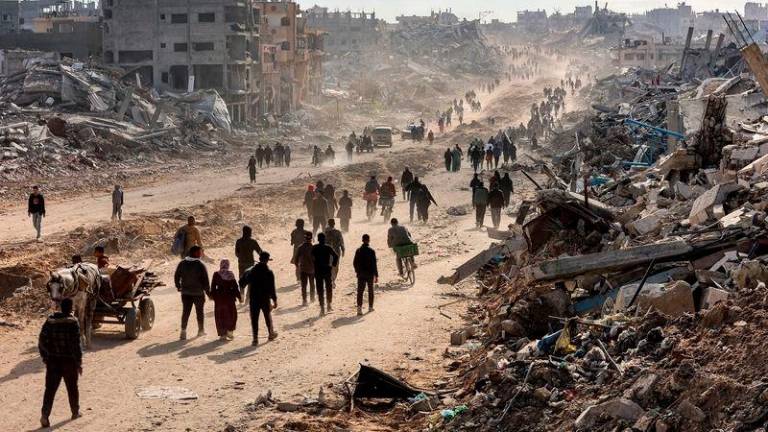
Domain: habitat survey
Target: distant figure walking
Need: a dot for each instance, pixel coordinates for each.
(118, 198)
(36, 210)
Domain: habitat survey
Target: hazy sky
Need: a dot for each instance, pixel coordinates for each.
(505, 9)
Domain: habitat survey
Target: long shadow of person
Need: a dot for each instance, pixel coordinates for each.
(161, 349)
(345, 321)
(201, 349)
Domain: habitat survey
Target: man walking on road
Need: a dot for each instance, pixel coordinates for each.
(319, 212)
(413, 190)
(261, 283)
(324, 258)
(297, 239)
(367, 272)
(252, 169)
(305, 267)
(191, 280)
(118, 198)
(36, 210)
(480, 203)
(59, 346)
(496, 202)
(335, 240)
(245, 247)
(405, 180)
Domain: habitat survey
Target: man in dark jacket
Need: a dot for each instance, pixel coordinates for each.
(496, 203)
(305, 267)
(335, 240)
(36, 210)
(59, 346)
(324, 259)
(191, 280)
(413, 192)
(245, 247)
(297, 239)
(480, 203)
(507, 187)
(405, 180)
(367, 272)
(261, 283)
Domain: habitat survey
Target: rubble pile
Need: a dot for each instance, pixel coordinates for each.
(631, 294)
(452, 48)
(69, 116)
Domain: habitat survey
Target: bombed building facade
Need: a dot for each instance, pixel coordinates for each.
(346, 31)
(257, 55)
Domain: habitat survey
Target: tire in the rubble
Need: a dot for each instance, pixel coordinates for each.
(147, 314)
(132, 324)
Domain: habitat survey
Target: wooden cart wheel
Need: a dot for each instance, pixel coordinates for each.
(147, 313)
(132, 324)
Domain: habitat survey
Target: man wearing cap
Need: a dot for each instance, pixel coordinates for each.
(261, 282)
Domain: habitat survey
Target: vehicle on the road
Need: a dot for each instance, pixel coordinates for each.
(413, 132)
(382, 136)
(406, 254)
(387, 205)
(124, 299)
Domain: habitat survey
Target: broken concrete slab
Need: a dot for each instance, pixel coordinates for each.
(702, 209)
(673, 299)
(618, 408)
(569, 267)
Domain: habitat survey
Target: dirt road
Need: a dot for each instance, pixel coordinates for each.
(406, 332)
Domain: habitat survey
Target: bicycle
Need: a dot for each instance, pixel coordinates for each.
(405, 254)
(387, 204)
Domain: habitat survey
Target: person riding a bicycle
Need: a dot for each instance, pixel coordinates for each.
(398, 236)
(371, 196)
(387, 193)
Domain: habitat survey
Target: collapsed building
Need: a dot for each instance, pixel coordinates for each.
(346, 32)
(453, 48)
(259, 56)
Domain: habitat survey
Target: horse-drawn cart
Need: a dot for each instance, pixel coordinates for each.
(124, 299)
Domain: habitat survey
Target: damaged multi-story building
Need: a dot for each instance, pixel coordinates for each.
(347, 31)
(258, 55)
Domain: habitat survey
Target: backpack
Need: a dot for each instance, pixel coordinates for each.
(481, 196)
(179, 241)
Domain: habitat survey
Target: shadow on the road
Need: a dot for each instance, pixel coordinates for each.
(53, 426)
(288, 288)
(307, 322)
(106, 340)
(161, 349)
(201, 349)
(236, 354)
(345, 321)
(24, 367)
(285, 311)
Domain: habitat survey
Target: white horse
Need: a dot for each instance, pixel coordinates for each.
(81, 283)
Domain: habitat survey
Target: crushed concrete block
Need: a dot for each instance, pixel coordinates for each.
(650, 224)
(749, 273)
(458, 338)
(642, 389)
(673, 299)
(691, 412)
(703, 205)
(618, 408)
(711, 296)
(512, 328)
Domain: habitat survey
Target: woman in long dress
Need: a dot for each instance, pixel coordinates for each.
(224, 292)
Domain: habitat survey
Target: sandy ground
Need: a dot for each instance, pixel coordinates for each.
(405, 332)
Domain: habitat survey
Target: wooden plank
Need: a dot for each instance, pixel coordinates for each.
(569, 267)
(757, 64)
